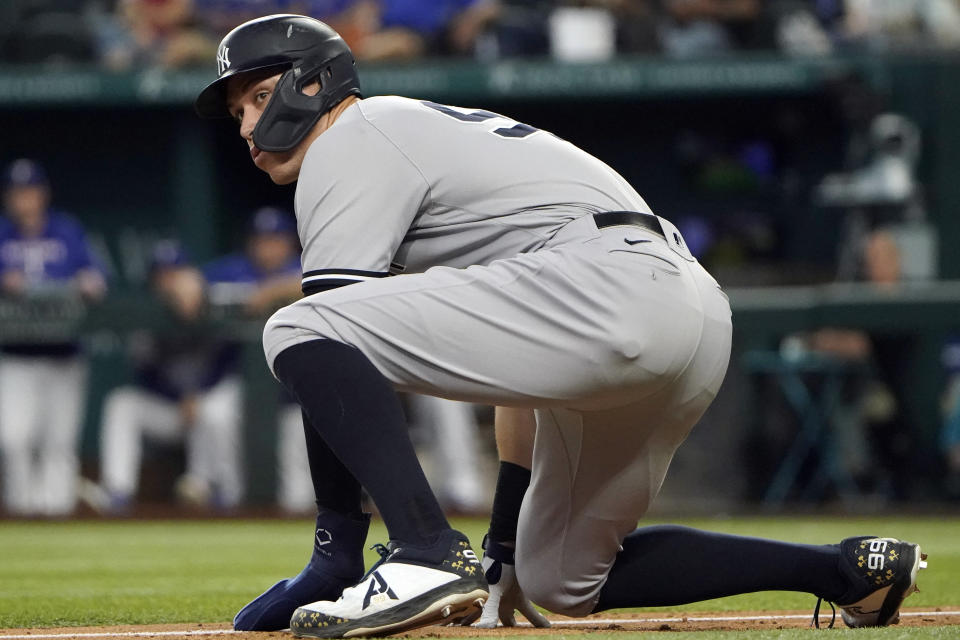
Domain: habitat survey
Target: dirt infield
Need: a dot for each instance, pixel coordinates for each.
(660, 621)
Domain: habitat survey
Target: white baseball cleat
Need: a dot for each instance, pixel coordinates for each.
(408, 589)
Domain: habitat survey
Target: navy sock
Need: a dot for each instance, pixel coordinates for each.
(336, 563)
(356, 412)
(512, 483)
(670, 565)
(334, 486)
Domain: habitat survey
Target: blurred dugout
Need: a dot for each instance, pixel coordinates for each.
(43, 254)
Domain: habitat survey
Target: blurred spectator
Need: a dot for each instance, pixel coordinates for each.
(532, 27)
(403, 29)
(898, 24)
(219, 17)
(154, 33)
(46, 31)
(519, 30)
(261, 279)
(706, 27)
(807, 28)
(185, 389)
(43, 254)
(637, 23)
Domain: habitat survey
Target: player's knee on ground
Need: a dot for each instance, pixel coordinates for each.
(545, 591)
(295, 324)
(551, 581)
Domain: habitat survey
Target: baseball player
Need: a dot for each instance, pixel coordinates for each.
(185, 388)
(457, 252)
(43, 253)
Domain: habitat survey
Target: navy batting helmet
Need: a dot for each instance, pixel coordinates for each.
(309, 50)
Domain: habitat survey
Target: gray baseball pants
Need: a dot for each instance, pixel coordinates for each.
(620, 342)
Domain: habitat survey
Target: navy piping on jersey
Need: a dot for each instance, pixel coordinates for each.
(326, 279)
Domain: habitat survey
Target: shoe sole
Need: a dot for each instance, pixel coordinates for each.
(447, 608)
(890, 609)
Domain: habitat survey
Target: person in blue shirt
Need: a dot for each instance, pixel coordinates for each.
(43, 254)
(404, 29)
(266, 274)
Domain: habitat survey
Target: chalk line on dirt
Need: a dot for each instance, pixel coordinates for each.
(556, 623)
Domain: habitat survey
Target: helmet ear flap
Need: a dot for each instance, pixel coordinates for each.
(289, 116)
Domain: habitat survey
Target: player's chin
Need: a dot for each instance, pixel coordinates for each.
(282, 178)
(279, 171)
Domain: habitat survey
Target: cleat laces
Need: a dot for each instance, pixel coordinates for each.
(816, 614)
(384, 553)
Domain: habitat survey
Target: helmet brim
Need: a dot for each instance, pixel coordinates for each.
(211, 103)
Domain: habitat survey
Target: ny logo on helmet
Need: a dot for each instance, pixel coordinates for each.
(223, 59)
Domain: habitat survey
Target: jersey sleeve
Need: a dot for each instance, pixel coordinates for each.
(357, 196)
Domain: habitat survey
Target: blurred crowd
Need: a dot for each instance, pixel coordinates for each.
(122, 34)
(185, 386)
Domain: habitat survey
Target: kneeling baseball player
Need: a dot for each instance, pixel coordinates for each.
(459, 253)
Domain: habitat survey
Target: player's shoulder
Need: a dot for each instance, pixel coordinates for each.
(385, 112)
(386, 105)
(380, 120)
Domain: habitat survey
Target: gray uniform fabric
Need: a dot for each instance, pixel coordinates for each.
(509, 294)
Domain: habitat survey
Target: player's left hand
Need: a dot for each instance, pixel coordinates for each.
(506, 597)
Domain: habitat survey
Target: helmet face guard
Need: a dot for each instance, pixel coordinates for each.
(291, 114)
(309, 50)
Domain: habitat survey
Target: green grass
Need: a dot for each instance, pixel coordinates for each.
(117, 572)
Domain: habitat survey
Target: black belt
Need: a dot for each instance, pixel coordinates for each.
(632, 218)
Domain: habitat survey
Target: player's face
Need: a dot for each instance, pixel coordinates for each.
(247, 97)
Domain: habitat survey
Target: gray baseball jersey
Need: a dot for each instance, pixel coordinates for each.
(508, 292)
(399, 185)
